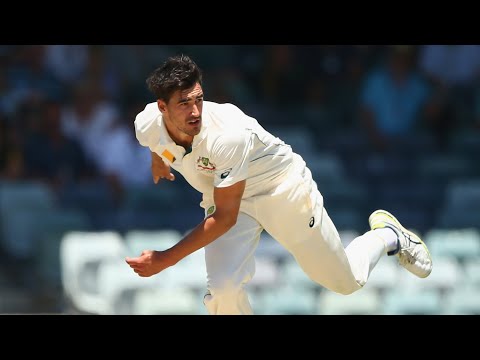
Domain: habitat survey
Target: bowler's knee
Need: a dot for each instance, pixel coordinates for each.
(227, 299)
(226, 291)
(346, 288)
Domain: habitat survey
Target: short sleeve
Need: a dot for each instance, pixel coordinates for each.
(147, 130)
(230, 156)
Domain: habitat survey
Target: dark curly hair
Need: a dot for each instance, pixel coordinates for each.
(177, 73)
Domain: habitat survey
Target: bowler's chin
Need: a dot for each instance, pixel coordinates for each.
(194, 129)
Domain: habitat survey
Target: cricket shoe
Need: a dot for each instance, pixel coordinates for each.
(412, 252)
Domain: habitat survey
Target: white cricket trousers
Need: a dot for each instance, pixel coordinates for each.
(293, 214)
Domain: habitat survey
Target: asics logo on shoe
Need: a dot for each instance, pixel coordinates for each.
(409, 238)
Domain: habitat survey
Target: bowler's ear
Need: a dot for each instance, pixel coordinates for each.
(162, 106)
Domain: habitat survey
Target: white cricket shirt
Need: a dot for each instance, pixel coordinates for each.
(230, 147)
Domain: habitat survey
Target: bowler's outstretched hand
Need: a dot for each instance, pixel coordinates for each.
(149, 263)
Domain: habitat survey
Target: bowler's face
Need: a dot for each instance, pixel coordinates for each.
(183, 112)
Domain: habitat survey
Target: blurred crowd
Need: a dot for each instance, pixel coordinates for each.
(67, 111)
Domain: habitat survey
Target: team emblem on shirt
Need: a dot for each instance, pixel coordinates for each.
(204, 164)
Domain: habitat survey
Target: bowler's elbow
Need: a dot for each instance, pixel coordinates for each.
(227, 201)
(225, 221)
(229, 221)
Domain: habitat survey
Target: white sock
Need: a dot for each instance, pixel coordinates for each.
(389, 237)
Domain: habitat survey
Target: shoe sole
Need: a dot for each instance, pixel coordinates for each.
(397, 223)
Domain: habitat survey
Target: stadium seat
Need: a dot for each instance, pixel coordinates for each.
(180, 301)
(472, 272)
(462, 301)
(266, 273)
(462, 244)
(24, 229)
(284, 300)
(292, 274)
(117, 284)
(81, 254)
(441, 168)
(47, 249)
(139, 240)
(362, 302)
(420, 302)
(21, 205)
(25, 195)
(269, 247)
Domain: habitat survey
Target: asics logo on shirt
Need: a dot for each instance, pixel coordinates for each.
(225, 174)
